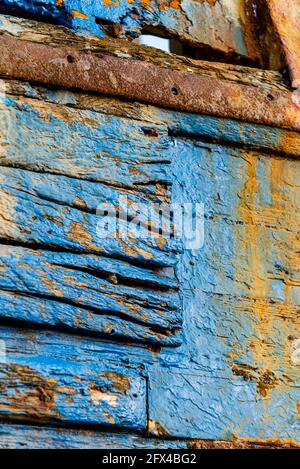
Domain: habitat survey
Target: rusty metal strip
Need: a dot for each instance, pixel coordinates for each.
(285, 15)
(146, 82)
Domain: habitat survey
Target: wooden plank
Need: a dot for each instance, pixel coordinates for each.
(26, 151)
(229, 28)
(82, 144)
(73, 388)
(58, 58)
(64, 279)
(14, 436)
(34, 437)
(177, 124)
(46, 313)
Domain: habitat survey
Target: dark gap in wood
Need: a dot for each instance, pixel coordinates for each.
(115, 338)
(189, 49)
(92, 309)
(53, 422)
(109, 27)
(107, 430)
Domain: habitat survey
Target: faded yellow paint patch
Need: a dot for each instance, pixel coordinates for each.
(109, 418)
(78, 14)
(273, 320)
(113, 3)
(249, 245)
(52, 285)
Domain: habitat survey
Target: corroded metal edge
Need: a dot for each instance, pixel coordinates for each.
(49, 55)
(285, 15)
(146, 82)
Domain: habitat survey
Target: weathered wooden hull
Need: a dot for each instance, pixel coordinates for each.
(148, 344)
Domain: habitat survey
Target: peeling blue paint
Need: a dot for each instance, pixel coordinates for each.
(231, 376)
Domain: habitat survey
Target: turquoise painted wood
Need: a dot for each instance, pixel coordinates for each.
(233, 375)
(148, 341)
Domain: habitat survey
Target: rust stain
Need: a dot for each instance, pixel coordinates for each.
(273, 442)
(209, 2)
(139, 80)
(120, 382)
(56, 220)
(265, 379)
(28, 393)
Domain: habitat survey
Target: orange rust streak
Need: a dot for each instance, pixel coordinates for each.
(253, 247)
(78, 14)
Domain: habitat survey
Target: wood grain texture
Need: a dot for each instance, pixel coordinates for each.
(34, 437)
(59, 278)
(52, 185)
(13, 436)
(30, 215)
(233, 376)
(229, 30)
(56, 58)
(39, 386)
(160, 121)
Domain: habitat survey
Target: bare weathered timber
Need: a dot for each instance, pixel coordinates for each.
(221, 28)
(14, 436)
(50, 195)
(233, 375)
(49, 55)
(285, 15)
(45, 386)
